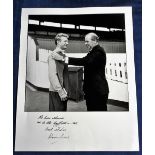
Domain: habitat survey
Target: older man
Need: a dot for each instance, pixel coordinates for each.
(58, 76)
(95, 84)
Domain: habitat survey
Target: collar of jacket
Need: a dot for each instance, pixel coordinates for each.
(94, 48)
(62, 54)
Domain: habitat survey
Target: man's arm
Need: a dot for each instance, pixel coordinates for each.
(68, 60)
(93, 61)
(53, 78)
(76, 61)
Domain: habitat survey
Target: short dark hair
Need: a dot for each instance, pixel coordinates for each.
(59, 35)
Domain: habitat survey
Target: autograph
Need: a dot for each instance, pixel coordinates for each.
(56, 127)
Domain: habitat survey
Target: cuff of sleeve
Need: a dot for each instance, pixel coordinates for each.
(62, 92)
(66, 60)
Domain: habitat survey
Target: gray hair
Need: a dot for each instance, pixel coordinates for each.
(94, 36)
(59, 35)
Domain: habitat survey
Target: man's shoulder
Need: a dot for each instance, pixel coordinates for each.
(99, 50)
(56, 56)
(50, 58)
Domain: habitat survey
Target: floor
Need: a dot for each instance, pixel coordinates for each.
(38, 101)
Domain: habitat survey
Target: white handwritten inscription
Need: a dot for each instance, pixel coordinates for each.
(56, 127)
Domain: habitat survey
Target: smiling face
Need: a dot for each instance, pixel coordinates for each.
(62, 43)
(89, 42)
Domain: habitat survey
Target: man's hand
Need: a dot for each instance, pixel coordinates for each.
(64, 98)
(58, 50)
(63, 94)
(57, 55)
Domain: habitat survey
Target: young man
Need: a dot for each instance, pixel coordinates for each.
(95, 84)
(58, 76)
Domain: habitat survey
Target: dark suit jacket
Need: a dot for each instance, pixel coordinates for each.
(94, 71)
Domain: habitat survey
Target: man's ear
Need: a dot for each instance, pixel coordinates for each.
(58, 41)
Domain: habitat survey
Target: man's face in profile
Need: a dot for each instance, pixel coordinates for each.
(89, 42)
(63, 43)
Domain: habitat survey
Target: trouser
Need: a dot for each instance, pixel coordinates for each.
(55, 103)
(96, 102)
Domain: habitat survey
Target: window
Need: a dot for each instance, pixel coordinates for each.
(115, 72)
(121, 74)
(126, 75)
(111, 71)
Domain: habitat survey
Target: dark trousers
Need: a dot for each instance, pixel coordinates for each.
(55, 103)
(96, 102)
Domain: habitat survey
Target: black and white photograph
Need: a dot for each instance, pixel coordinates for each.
(76, 80)
(76, 63)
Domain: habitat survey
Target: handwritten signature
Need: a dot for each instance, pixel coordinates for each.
(58, 136)
(56, 127)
